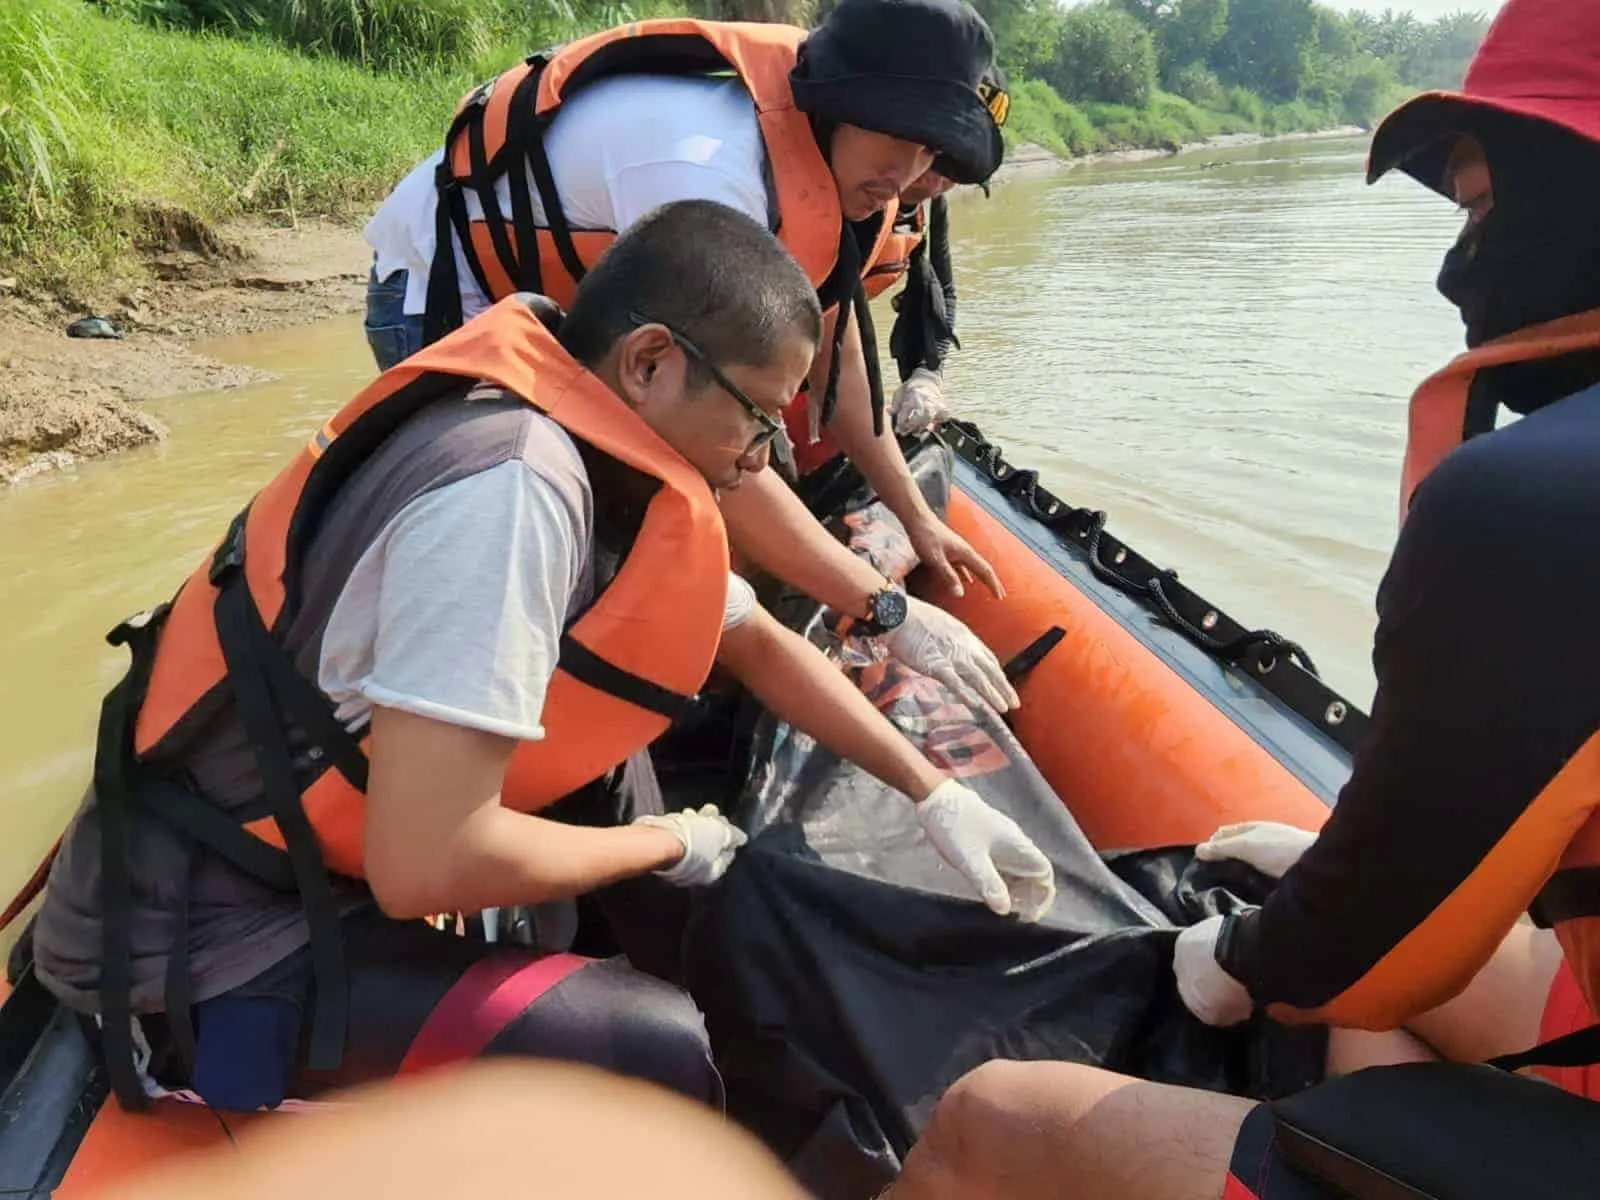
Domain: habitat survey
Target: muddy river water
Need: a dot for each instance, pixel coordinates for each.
(1216, 348)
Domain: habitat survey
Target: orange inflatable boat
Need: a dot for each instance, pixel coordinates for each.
(1154, 716)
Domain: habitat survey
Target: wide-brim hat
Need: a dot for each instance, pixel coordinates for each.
(1540, 60)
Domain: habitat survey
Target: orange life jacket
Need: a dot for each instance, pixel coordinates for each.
(1439, 418)
(500, 127)
(1439, 422)
(655, 628)
(629, 664)
(1570, 900)
(893, 258)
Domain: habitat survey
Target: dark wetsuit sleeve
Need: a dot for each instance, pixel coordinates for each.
(1457, 810)
(938, 243)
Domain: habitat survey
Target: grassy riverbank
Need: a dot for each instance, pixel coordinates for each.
(130, 127)
(1167, 122)
(109, 129)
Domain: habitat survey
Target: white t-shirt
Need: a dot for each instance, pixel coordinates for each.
(455, 611)
(619, 148)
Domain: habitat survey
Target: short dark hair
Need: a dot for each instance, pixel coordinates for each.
(708, 271)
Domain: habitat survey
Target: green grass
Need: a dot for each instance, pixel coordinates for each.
(111, 113)
(103, 118)
(1040, 116)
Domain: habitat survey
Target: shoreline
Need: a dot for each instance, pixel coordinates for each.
(64, 401)
(1031, 159)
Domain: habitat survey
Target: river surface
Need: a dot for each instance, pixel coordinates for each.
(1215, 348)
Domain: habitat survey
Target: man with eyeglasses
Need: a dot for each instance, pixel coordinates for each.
(504, 570)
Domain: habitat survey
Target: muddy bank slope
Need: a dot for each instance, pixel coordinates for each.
(63, 399)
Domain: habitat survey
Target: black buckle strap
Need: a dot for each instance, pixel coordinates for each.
(1567, 895)
(245, 643)
(442, 308)
(452, 227)
(227, 560)
(205, 823)
(483, 184)
(521, 115)
(584, 665)
(1579, 1049)
(531, 134)
(292, 692)
(113, 766)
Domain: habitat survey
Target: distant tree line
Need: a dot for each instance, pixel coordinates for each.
(1125, 51)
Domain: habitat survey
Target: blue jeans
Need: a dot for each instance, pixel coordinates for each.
(392, 334)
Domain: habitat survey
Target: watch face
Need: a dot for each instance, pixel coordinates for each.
(889, 609)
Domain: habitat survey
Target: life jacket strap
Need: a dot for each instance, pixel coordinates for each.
(1578, 1049)
(247, 649)
(1568, 895)
(521, 115)
(529, 134)
(482, 181)
(587, 667)
(113, 765)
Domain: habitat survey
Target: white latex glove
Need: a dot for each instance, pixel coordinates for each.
(709, 840)
(1268, 846)
(990, 849)
(918, 403)
(934, 643)
(1208, 991)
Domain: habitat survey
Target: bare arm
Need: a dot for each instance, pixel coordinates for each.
(878, 457)
(438, 840)
(798, 683)
(769, 525)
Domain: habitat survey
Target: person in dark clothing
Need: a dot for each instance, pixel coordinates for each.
(924, 329)
(1477, 796)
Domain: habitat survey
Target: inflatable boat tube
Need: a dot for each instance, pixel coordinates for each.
(1126, 677)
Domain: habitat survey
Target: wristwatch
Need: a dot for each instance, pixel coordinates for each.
(886, 611)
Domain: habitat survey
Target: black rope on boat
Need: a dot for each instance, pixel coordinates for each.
(1259, 649)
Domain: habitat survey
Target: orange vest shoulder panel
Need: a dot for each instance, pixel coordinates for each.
(660, 619)
(891, 258)
(1437, 418)
(761, 55)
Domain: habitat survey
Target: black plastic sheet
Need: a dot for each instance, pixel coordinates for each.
(849, 975)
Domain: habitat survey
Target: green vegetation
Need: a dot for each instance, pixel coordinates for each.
(120, 120)
(1111, 74)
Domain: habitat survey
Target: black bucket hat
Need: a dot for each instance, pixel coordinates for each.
(919, 70)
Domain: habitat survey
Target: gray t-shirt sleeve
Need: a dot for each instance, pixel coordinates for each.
(455, 611)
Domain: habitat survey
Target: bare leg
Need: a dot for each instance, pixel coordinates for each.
(1351, 1050)
(1039, 1131)
(1500, 1011)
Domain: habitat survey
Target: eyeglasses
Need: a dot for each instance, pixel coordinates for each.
(771, 428)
